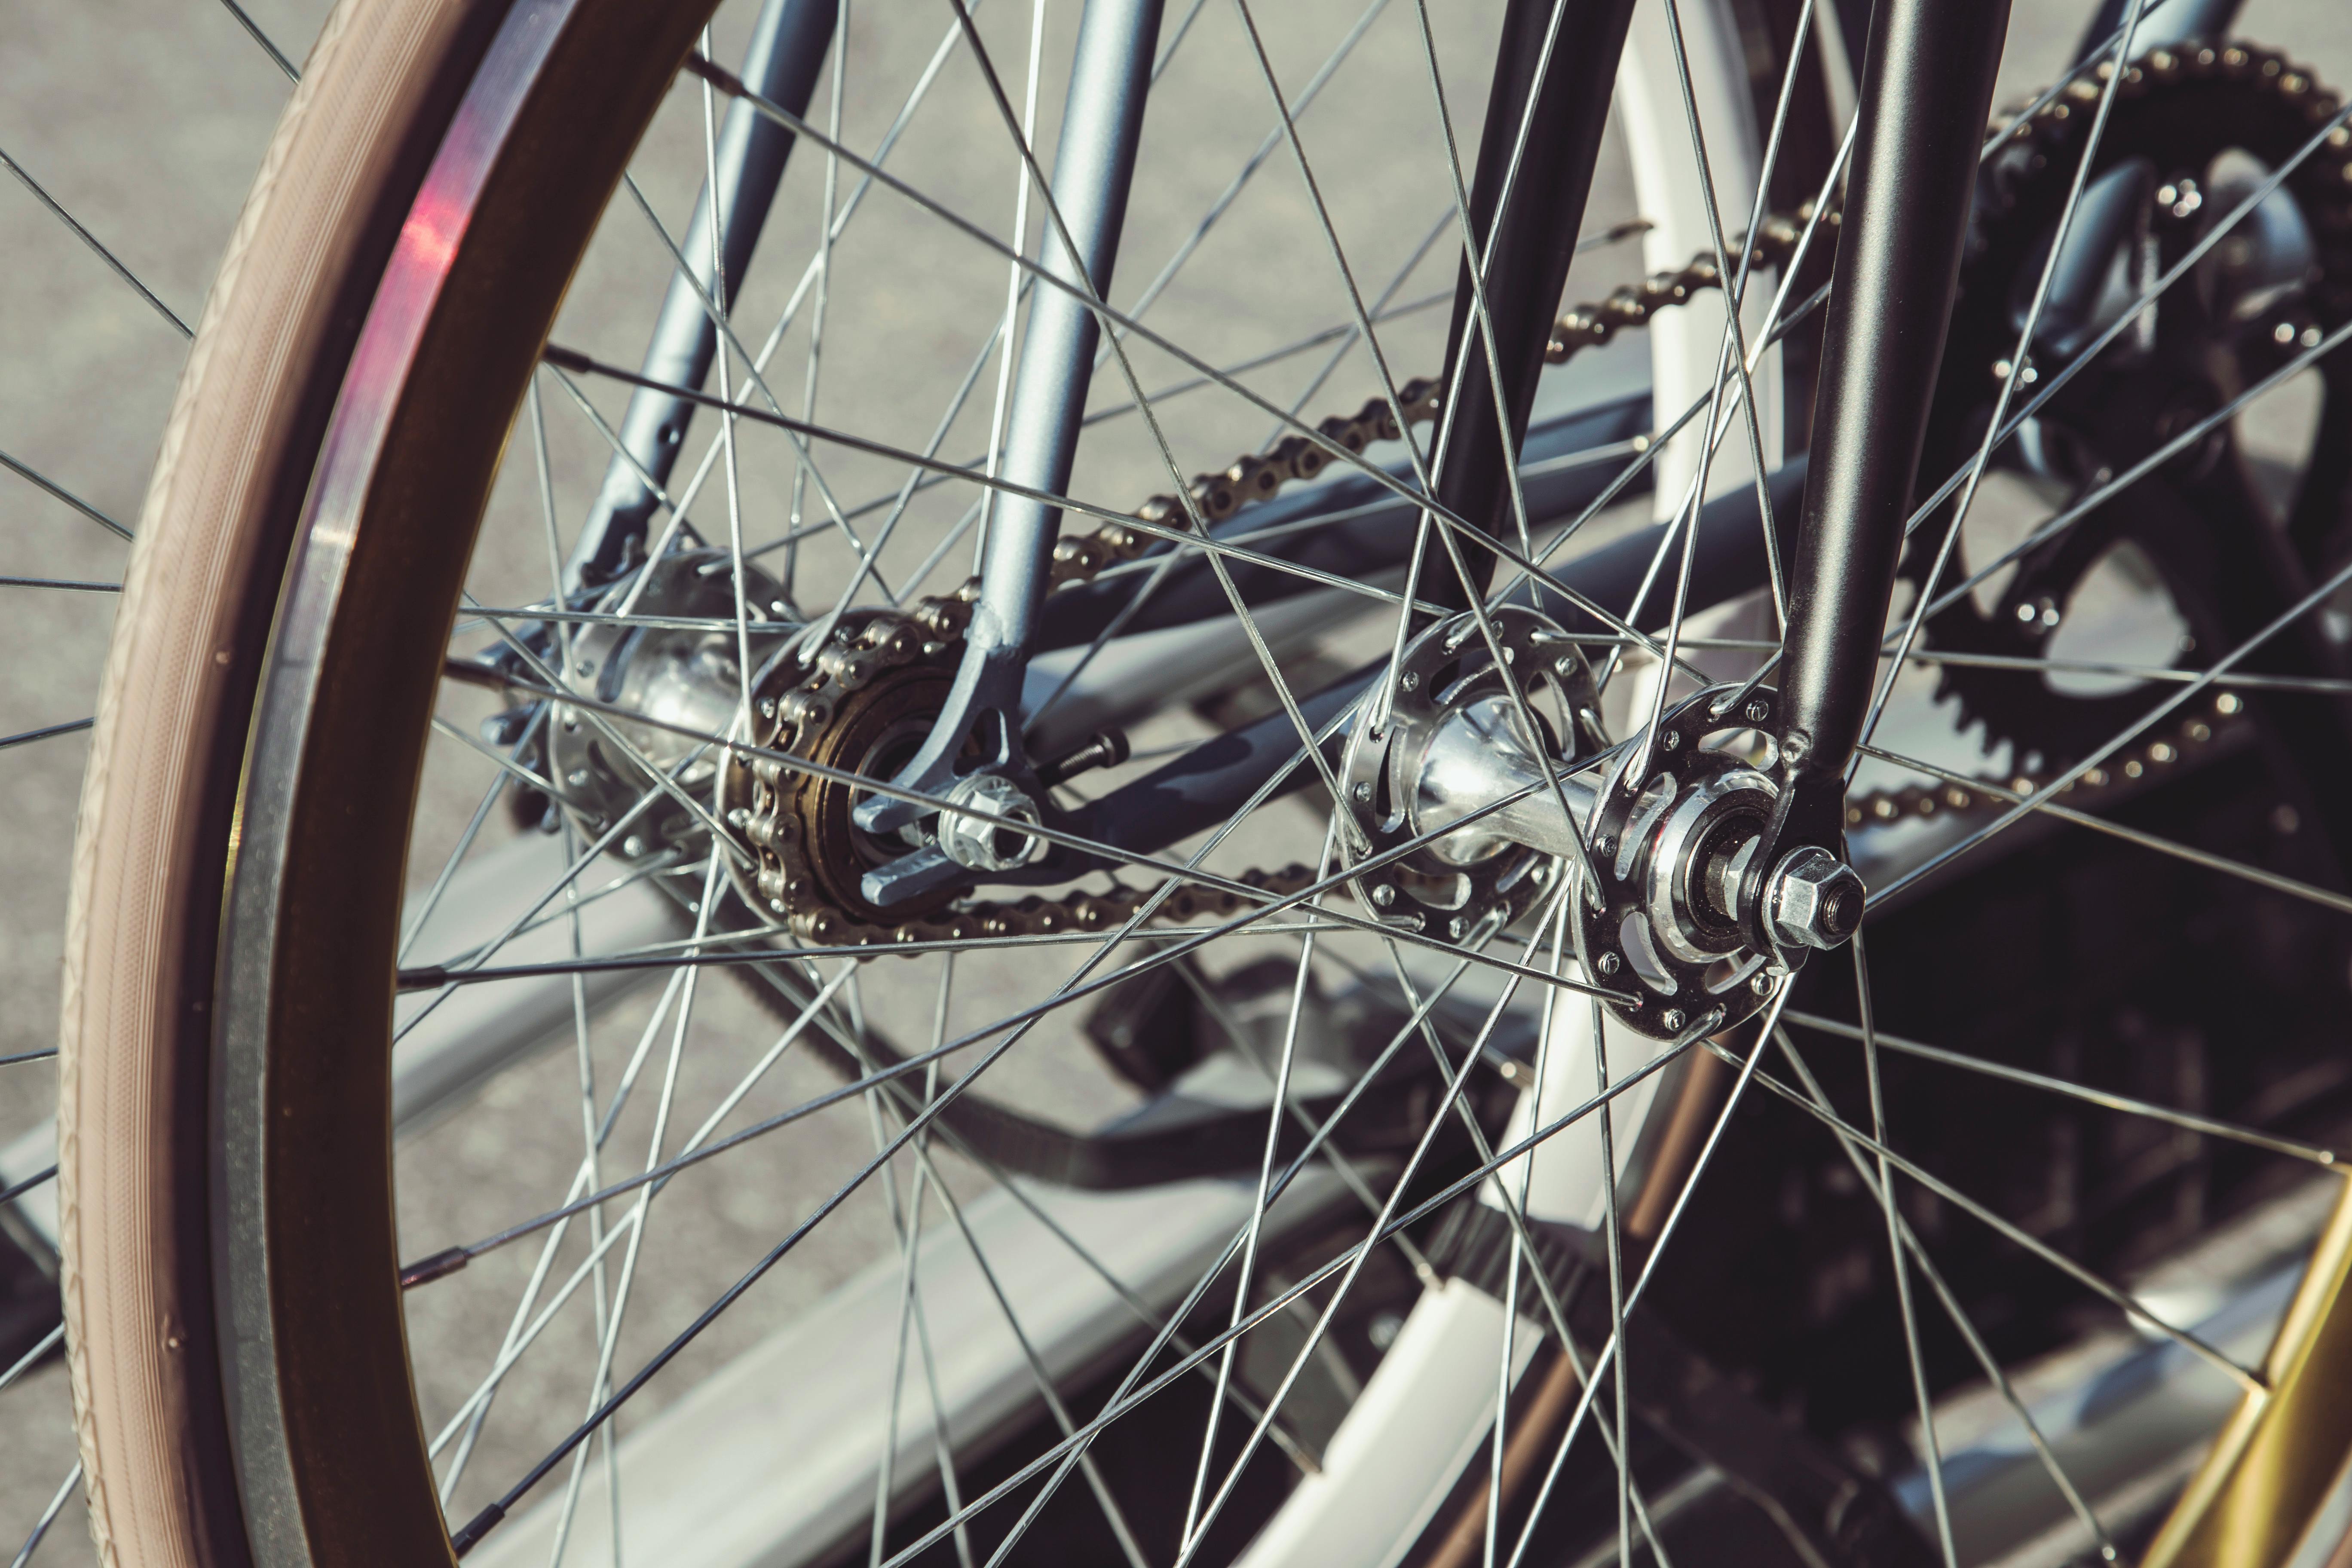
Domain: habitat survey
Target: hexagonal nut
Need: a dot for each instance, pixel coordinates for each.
(981, 846)
(1816, 899)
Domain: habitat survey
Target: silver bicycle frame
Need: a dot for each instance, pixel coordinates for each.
(1094, 166)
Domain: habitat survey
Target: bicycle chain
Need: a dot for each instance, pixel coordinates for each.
(866, 647)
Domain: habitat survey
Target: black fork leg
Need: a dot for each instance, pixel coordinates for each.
(1927, 80)
(1541, 214)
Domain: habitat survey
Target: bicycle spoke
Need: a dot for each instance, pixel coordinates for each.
(1613, 1346)
(612, 1317)
(46, 731)
(56, 491)
(1352, 1261)
(2042, 796)
(1900, 1261)
(2099, 495)
(2133, 11)
(1254, 1229)
(1138, 1390)
(2107, 1099)
(726, 82)
(98, 249)
(1871, 1183)
(2324, 897)
(1112, 1514)
(1733, 356)
(32, 1358)
(1216, 551)
(1397, 1092)
(909, 1231)
(1001, 408)
(2244, 1377)
(1513, 1210)
(523, 1334)
(48, 1516)
(253, 29)
(58, 583)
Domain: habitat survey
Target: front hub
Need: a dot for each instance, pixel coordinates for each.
(1671, 849)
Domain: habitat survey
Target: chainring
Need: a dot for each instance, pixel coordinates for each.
(2197, 125)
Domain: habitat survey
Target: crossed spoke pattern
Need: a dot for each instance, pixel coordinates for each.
(854, 511)
(904, 1119)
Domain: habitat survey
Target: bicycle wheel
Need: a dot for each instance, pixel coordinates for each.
(1078, 1268)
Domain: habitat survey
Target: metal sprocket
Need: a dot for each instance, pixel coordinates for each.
(2179, 112)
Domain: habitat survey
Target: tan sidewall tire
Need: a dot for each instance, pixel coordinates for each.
(179, 683)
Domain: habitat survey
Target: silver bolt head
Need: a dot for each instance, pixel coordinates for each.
(1384, 896)
(1608, 963)
(979, 846)
(1409, 681)
(1363, 792)
(1757, 711)
(1673, 1019)
(1815, 899)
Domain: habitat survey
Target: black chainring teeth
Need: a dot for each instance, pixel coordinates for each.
(2179, 107)
(1652, 934)
(1451, 888)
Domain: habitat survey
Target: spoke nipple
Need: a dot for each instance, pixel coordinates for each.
(442, 1264)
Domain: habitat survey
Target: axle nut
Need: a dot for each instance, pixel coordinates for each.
(1815, 899)
(979, 846)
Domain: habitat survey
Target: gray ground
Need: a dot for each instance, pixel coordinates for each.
(146, 117)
